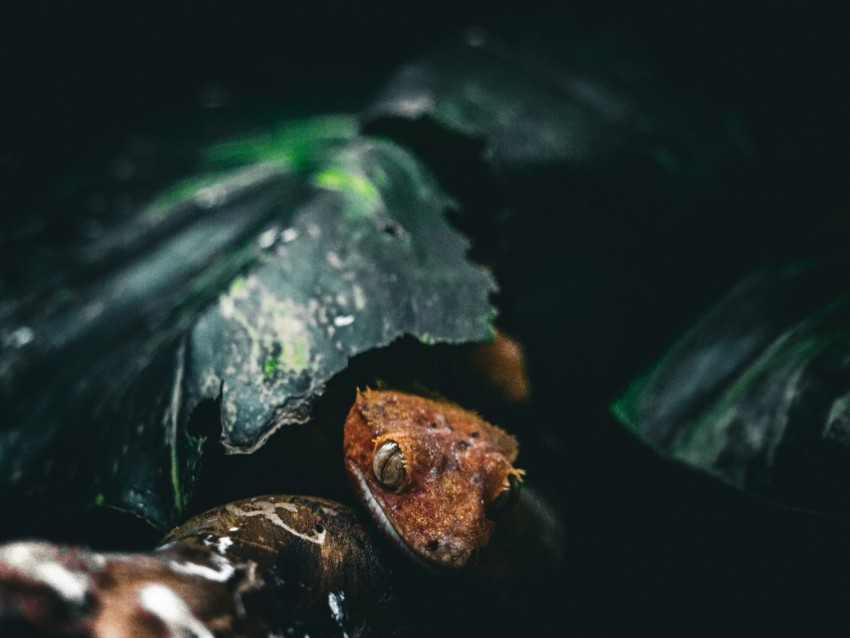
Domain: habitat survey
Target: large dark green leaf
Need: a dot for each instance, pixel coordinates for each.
(255, 278)
(369, 258)
(757, 393)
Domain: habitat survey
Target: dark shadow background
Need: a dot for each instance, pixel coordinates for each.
(76, 79)
(652, 548)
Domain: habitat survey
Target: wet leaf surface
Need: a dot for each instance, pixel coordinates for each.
(370, 258)
(255, 280)
(756, 393)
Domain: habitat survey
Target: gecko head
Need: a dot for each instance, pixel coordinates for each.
(433, 476)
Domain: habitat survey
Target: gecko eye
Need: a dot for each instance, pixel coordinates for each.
(388, 465)
(505, 499)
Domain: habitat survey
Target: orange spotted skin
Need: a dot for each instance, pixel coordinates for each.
(455, 465)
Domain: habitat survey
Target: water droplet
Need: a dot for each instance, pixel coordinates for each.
(267, 239)
(211, 196)
(343, 320)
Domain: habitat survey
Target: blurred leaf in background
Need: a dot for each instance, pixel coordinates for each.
(756, 393)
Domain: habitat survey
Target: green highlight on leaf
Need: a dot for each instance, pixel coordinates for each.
(233, 166)
(295, 144)
(270, 367)
(336, 178)
(181, 192)
(237, 286)
(624, 408)
(347, 175)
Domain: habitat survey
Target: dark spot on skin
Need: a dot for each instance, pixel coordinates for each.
(433, 545)
(474, 435)
(465, 445)
(433, 425)
(319, 528)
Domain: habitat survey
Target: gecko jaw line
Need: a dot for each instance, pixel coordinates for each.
(380, 517)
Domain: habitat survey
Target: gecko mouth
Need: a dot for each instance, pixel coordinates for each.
(380, 517)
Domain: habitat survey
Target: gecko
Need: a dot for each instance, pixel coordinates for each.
(433, 475)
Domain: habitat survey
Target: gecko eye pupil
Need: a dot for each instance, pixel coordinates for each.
(388, 465)
(505, 499)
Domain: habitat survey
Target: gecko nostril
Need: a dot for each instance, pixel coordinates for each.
(433, 545)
